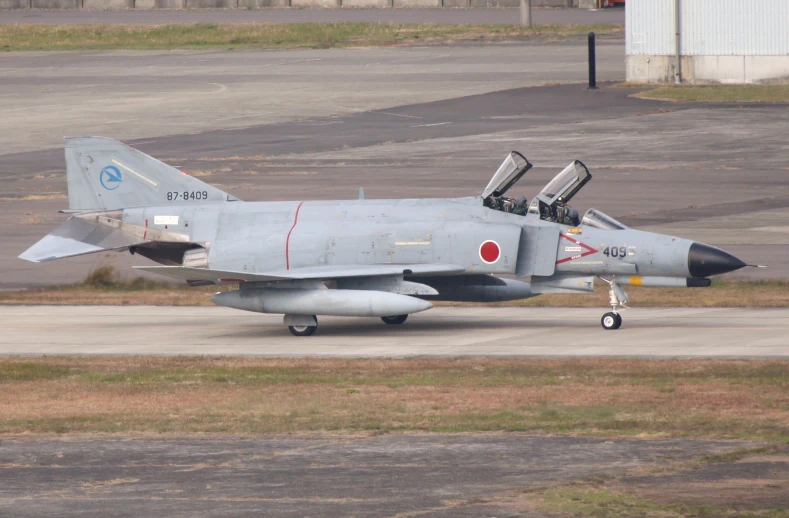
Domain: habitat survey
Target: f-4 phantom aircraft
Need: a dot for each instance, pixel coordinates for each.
(366, 258)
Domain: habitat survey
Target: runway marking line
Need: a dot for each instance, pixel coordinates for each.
(398, 115)
(428, 125)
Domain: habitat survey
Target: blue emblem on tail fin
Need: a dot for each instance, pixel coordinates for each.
(110, 178)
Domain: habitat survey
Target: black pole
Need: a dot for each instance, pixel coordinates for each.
(592, 64)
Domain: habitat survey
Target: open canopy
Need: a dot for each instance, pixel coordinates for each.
(566, 184)
(509, 172)
(551, 203)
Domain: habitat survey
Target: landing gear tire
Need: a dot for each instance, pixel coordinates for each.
(303, 330)
(611, 321)
(396, 320)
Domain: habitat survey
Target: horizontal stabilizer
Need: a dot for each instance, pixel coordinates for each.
(78, 237)
(316, 273)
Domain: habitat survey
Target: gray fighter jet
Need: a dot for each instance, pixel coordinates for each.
(366, 258)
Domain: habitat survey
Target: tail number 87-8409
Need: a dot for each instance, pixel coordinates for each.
(187, 195)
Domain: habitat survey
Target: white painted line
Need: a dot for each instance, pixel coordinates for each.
(119, 121)
(318, 123)
(243, 116)
(135, 173)
(29, 108)
(428, 125)
(398, 115)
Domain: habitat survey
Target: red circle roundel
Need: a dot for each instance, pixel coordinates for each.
(489, 251)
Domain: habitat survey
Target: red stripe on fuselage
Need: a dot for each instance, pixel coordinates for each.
(287, 240)
(589, 250)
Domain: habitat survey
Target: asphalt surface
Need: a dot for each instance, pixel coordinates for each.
(504, 16)
(335, 476)
(444, 332)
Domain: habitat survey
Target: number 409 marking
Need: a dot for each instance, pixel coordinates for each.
(615, 252)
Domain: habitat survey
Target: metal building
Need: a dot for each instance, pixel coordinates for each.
(711, 41)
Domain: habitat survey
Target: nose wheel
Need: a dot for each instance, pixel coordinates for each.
(618, 299)
(611, 321)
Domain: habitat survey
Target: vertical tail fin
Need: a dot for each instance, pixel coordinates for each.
(104, 174)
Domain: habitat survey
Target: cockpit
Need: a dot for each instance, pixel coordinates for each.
(508, 173)
(552, 203)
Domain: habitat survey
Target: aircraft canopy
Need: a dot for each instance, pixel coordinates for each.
(509, 172)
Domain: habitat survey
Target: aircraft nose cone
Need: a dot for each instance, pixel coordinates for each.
(705, 260)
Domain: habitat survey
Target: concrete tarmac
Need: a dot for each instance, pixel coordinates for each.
(443, 331)
(505, 16)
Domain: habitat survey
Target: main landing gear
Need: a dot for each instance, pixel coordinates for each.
(301, 325)
(396, 320)
(617, 298)
(306, 325)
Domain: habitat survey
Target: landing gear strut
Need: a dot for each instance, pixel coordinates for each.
(399, 319)
(617, 298)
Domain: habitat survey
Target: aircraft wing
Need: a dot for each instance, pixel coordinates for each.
(312, 273)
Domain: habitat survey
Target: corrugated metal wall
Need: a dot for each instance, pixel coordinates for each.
(709, 27)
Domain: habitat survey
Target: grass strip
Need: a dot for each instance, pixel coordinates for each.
(619, 397)
(719, 93)
(584, 501)
(106, 286)
(273, 35)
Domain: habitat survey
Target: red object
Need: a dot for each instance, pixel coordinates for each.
(489, 251)
(287, 239)
(613, 3)
(589, 250)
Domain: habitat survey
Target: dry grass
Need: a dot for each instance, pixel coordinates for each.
(36, 197)
(209, 172)
(111, 290)
(720, 93)
(270, 35)
(693, 398)
(31, 218)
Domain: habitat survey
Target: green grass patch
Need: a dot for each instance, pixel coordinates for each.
(720, 93)
(603, 503)
(32, 371)
(272, 36)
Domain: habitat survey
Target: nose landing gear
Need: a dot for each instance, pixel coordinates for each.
(617, 298)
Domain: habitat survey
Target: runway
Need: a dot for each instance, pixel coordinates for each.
(440, 332)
